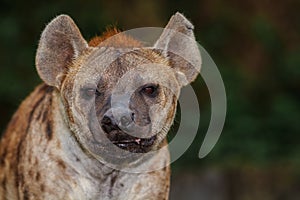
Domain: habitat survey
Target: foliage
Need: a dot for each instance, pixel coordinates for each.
(255, 45)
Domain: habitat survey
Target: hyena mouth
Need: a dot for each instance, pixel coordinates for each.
(122, 138)
(131, 143)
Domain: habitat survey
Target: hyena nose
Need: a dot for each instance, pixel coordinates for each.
(116, 121)
(109, 124)
(125, 121)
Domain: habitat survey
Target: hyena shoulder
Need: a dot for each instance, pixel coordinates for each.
(36, 107)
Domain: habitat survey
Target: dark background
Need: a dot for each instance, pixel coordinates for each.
(255, 44)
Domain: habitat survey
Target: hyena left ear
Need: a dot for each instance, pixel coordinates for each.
(61, 42)
(178, 43)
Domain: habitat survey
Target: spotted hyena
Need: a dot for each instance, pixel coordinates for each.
(96, 127)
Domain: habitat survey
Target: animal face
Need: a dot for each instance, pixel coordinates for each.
(129, 102)
(118, 97)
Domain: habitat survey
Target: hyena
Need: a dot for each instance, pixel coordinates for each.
(96, 128)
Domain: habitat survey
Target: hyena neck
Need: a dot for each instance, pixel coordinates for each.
(71, 150)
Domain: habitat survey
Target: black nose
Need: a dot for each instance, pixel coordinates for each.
(110, 123)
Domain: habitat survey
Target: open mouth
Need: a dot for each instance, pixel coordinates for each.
(131, 143)
(122, 138)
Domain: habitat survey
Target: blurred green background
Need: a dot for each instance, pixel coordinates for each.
(255, 44)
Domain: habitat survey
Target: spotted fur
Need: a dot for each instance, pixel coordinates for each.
(48, 152)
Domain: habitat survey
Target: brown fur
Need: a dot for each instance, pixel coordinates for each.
(120, 40)
(51, 149)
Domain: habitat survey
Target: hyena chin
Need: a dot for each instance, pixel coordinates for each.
(96, 128)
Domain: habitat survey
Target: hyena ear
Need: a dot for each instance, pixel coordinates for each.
(61, 42)
(178, 43)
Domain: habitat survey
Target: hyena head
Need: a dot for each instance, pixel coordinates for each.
(118, 96)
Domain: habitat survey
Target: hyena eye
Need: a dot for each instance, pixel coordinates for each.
(88, 93)
(150, 90)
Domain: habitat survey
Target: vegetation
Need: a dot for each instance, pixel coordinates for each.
(254, 43)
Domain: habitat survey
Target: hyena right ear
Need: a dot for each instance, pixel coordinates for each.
(178, 44)
(61, 42)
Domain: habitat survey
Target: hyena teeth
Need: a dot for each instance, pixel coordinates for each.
(138, 140)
